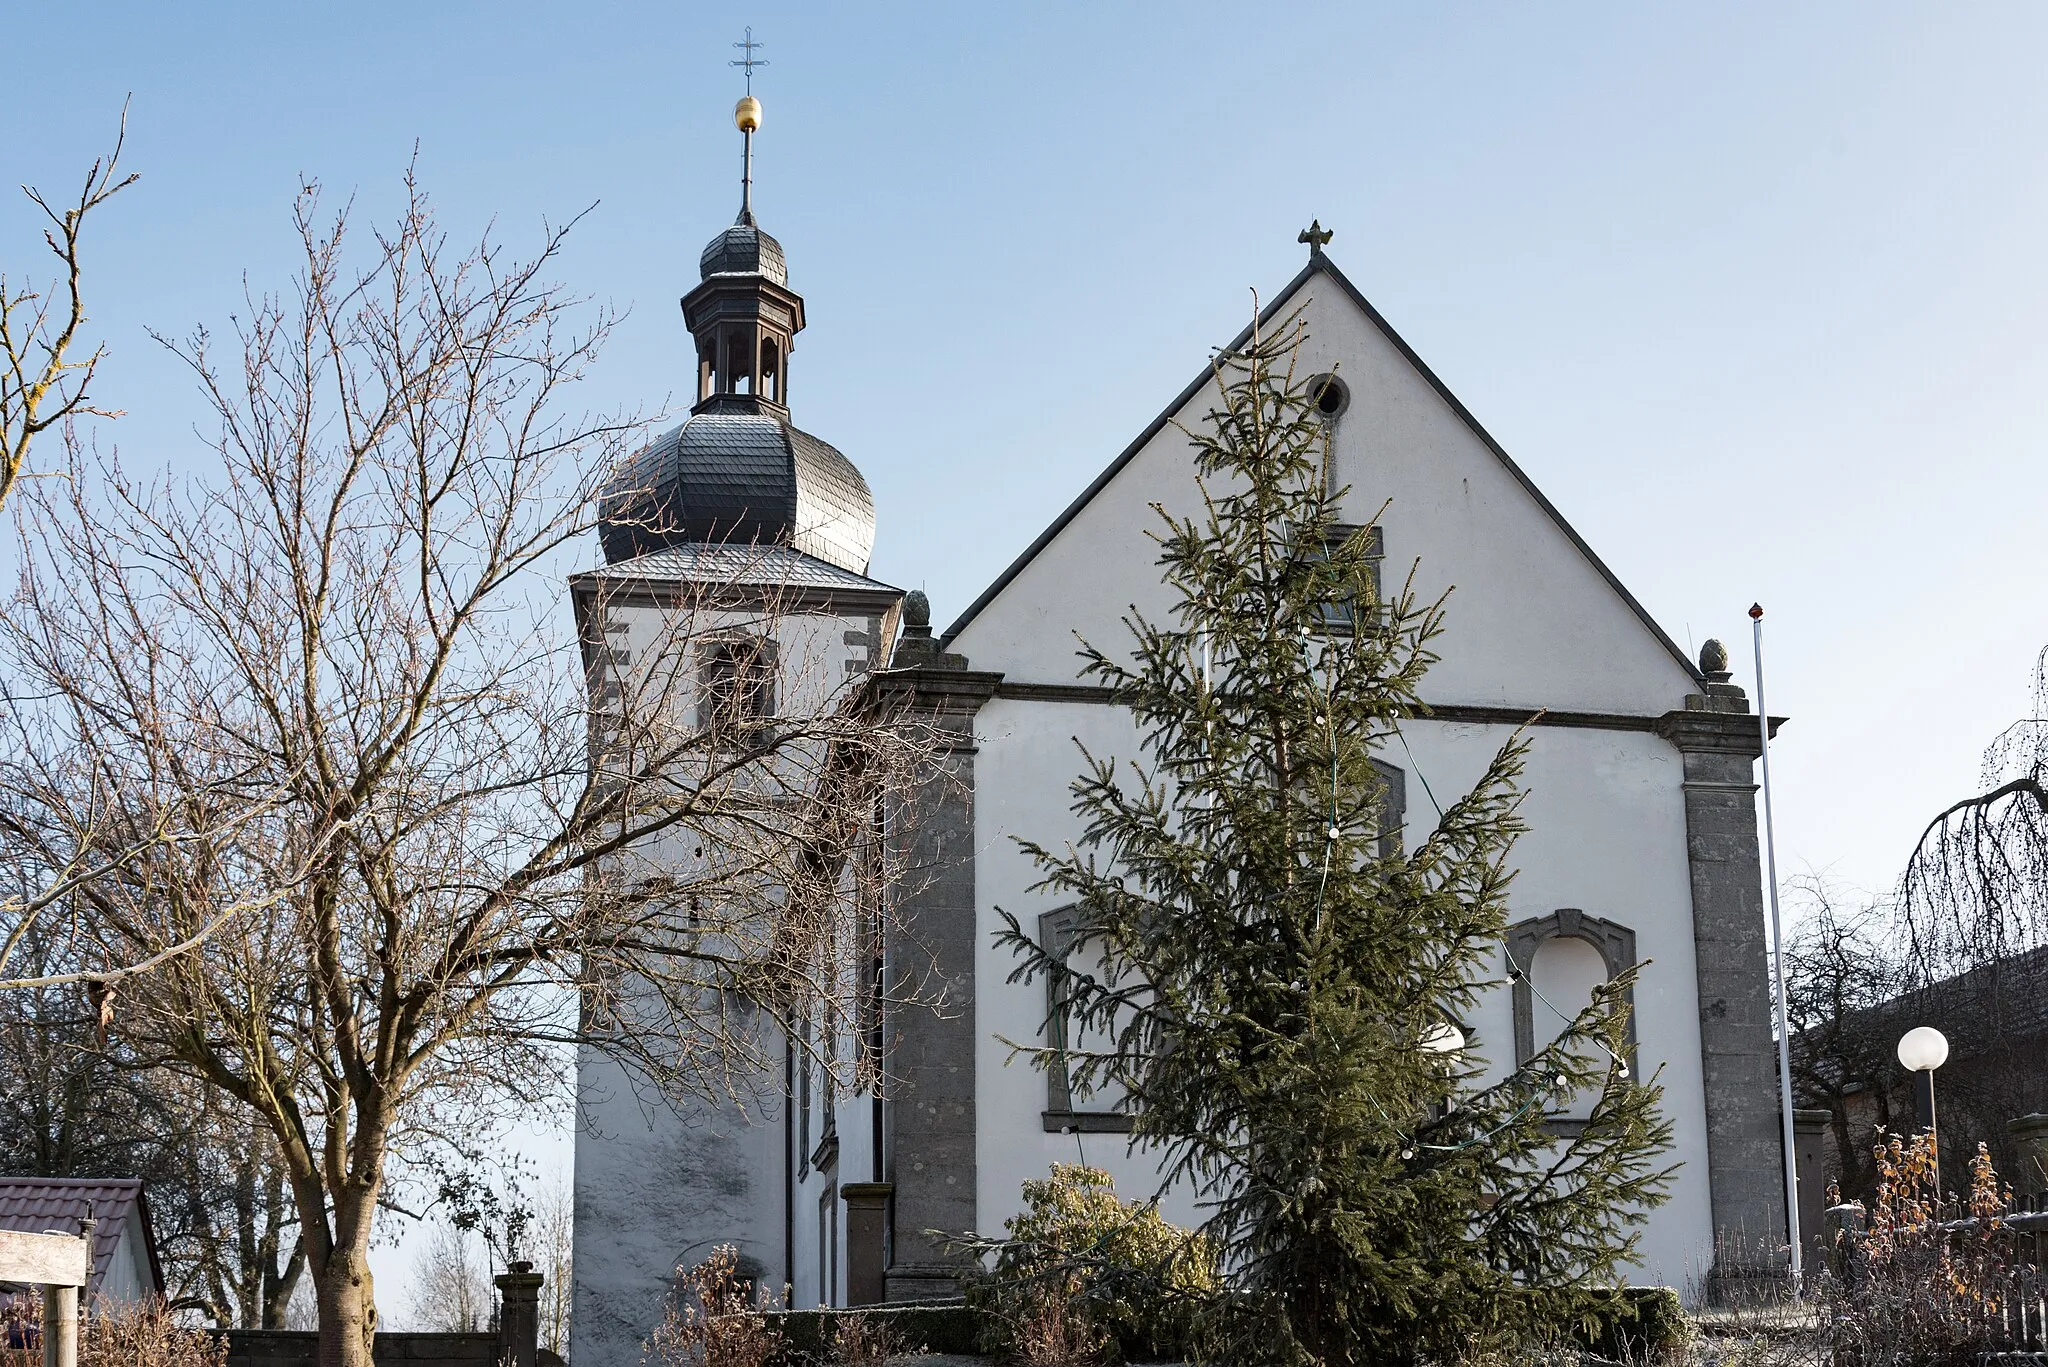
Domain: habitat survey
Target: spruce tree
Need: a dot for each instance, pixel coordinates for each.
(1273, 973)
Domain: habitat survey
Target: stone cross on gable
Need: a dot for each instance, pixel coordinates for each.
(1316, 236)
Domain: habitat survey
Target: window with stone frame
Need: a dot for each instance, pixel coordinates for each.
(1393, 813)
(736, 687)
(1555, 963)
(1340, 618)
(1064, 1109)
(801, 1085)
(828, 1245)
(869, 919)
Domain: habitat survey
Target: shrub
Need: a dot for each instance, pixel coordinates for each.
(120, 1335)
(821, 1335)
(146, 1336)
(712, 1321)
(1928, 1281)
(1085, 1275)
(1637, 1324)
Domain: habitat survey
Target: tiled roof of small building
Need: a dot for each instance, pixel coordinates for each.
(44, 1205)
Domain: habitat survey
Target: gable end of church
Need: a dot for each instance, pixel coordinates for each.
(1320, 264)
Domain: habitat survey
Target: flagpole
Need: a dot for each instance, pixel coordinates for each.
(1763, 715)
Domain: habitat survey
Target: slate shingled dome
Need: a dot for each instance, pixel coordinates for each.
(741, 478)
(744, 249)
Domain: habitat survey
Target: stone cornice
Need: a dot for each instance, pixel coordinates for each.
(1020, 691)
(948, 690)
(1687, 723)
(1726, 733)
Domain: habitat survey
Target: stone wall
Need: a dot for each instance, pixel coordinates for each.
(511, 1344)
(301, 1348)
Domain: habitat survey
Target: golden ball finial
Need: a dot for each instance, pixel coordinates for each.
(747, 114)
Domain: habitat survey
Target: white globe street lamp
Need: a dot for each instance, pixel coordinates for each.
(1444, 1038)
(1921, 1050)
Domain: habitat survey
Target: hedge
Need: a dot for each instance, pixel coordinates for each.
(1640, 1324)
(949, 1326)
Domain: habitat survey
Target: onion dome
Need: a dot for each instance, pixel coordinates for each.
(744, 249)
(739, 476)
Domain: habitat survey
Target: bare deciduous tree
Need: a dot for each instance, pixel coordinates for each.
(1840, 972)
(77, 1103)
(336, 655)
(42, 384)
(451, 1291)
(551, 1246)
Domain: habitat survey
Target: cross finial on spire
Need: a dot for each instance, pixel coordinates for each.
(1316, 236)
(747, 57)
(747, 116)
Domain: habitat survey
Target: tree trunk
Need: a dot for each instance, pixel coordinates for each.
(281, 1286)
(347, 1307)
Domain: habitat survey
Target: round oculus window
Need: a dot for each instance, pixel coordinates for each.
(1330, 396)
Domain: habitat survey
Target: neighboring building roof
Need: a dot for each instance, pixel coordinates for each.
(769, 566)
(41, 1205)
(1319, 263)
(739, 477)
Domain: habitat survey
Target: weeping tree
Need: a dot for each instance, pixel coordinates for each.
(427, 837)
(1971, 920)
(1274, 973)
(1975, 891)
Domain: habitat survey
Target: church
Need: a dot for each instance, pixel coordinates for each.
(1641, 847)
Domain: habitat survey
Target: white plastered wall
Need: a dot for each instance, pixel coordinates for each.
(1531, 621)
(1607, 835)
(659, 1186)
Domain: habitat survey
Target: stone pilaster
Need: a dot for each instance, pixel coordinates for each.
(518, 1315)
(1717, 736)
(1810, 1143)
(867, 1241)
(929, 1096)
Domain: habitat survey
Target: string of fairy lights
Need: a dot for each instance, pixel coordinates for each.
(1333, 833)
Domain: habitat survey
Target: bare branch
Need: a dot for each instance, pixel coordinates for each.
(41, 385)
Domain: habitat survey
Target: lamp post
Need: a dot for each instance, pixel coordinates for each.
(1921, 1050)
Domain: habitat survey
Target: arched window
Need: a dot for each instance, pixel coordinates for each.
(736, 687)
(1564, 956)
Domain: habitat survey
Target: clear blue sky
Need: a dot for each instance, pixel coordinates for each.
(1755, 292)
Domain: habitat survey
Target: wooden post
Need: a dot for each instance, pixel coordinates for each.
(60, 1326)
(60, 1265)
